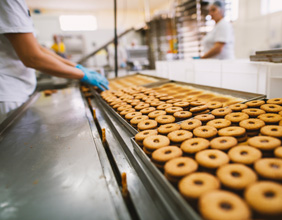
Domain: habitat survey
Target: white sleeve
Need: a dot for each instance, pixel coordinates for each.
(223, 33)
(15, 17)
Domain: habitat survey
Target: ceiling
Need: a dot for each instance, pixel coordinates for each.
(87, 5)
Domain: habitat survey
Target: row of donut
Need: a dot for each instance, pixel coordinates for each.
(198, 172)
(138, 103)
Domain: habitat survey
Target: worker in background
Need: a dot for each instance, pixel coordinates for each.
(21, 54)
(58, 46)
(218, 43)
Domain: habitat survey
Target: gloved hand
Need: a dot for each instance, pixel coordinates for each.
(196, 58)
(93, 78)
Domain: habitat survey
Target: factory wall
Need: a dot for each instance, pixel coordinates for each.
(254, 31)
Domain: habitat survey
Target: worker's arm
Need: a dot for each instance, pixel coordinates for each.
(216, 49)
(31, 54)
(45, 50)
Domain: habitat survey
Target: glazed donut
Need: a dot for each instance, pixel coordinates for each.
(244, 154)
(265, 197)
(223, 143)
(194, 145)
(211, 158)
(221, 205)
(190, 124)
(197, 184)
(236, 176)
(167, 128)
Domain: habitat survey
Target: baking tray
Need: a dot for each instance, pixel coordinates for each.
(237, 94)
(160, 79)
(133, 131)
(170, 196)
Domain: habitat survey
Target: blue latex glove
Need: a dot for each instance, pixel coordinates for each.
(93, 78)
(196, 58)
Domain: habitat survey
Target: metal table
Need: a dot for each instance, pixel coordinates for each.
(52, 165)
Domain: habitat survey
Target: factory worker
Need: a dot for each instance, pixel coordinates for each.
(218, 43)
(20, 55)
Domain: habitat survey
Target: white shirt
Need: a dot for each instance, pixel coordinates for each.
(223, 33)
(17, 82)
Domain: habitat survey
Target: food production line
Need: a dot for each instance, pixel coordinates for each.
(69, 155)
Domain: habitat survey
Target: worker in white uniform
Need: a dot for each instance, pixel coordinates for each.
(21, 54)
(218, 43)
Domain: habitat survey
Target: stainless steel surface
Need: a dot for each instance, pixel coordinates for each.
(167, 193)
(50, 167)
(120, 147)
(238, 94)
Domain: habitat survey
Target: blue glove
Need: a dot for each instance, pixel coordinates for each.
(196, 58)
(93, 78)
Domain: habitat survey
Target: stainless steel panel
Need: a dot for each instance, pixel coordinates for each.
(49, 166)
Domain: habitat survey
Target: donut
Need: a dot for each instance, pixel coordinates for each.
(134, 121)
(272, 130)
(156, 113)
(205, 117)
(182, 104)
(172, 110)
(154, 142)
(271, 108)
(221, 112)
(179, 136)
(179, 167)
(237, 107)
(244, 154)
(265, 197)
(147, 125)
(147, 110)
(198, 108)
(126, 111)
(123, 107)
(264, 142)
(131, 115)
(278, 152)
(197, 103)
(167, 128)
(165, 119)
(252, 124)
(190, 124)
(233, 131)
(236, 117)
(277, 101)
(255, 103)
(214, 105)
(194, 145)
(164, 154)
(139, 137)
(190, 99)
(253, 112)
(182, 115)
(172, 101)
(270, 118)
(164, 106)
(222, 205)
(196, 184)
(236, 176)
(157, 103)
(223, 143)
(141, 106)
(219, 123)
(205, 131)
(165, 98)
(270, 168)
(211, 158)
